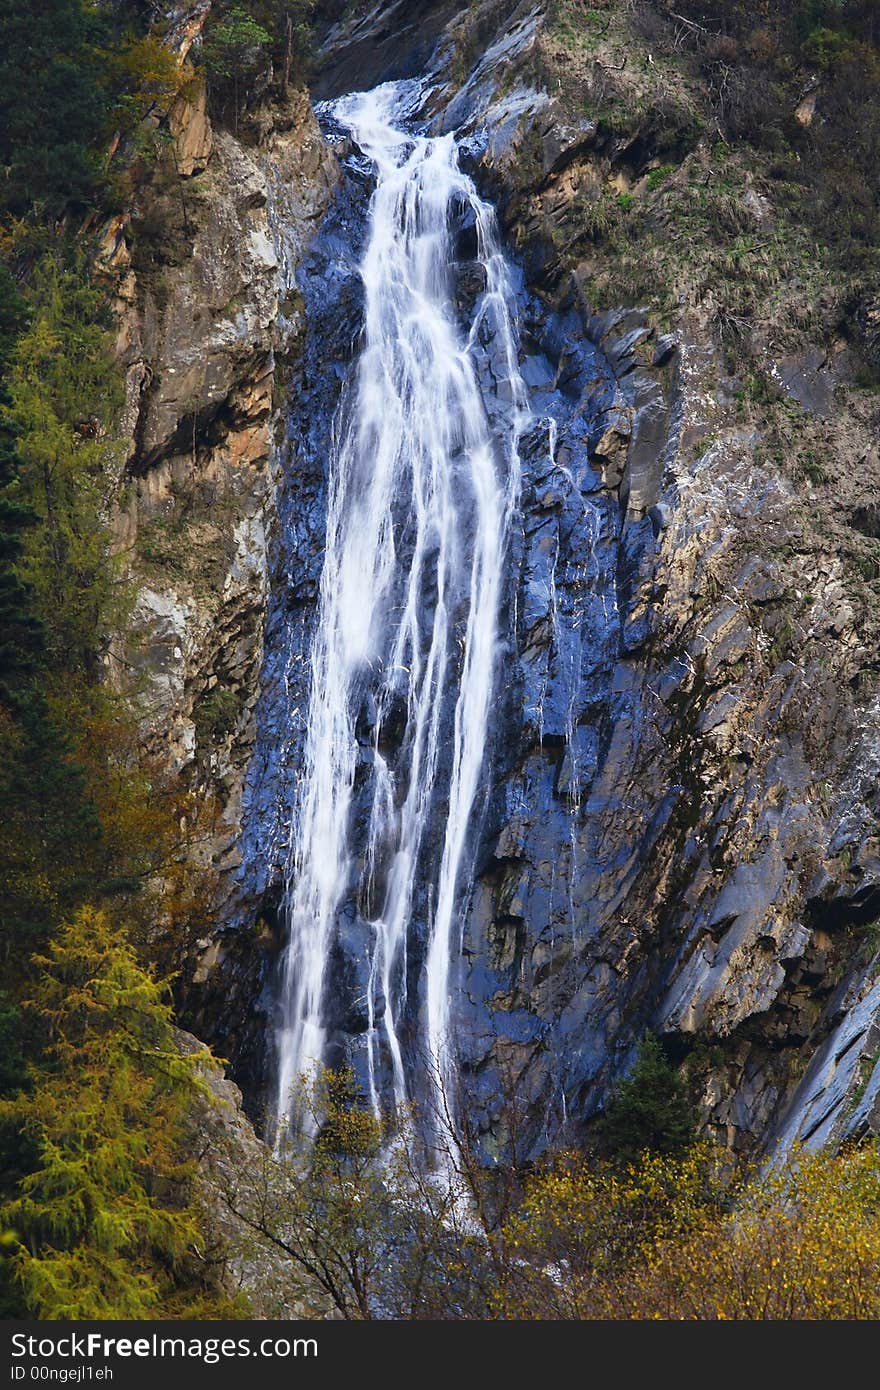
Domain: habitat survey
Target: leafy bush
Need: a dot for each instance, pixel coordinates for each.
(215, 714)
(801, 1242)
(658, 176)
(676, 1238)
(585, 1230)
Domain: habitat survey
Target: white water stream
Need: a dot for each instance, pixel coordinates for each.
(421, 491)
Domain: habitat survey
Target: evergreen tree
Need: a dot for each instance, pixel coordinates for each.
(20, 631)
(234, 51)
(55, 104)
(650, 1108)
(289, 24)
(101, 1221)
(63, 393)
(50, 834)
(58, 590)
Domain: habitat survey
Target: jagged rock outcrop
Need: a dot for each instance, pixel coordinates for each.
(207, 310)
(234, 1179)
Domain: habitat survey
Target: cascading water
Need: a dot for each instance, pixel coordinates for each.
(423, 482)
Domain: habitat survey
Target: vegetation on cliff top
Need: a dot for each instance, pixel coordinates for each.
(784, 100)
(247, 49)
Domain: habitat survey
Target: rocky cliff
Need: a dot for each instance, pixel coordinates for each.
(202, 268)
(681, 827)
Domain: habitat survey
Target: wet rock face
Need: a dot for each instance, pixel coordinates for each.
(381, 43)
(235, 1003)
(562, 632)
(722, 860)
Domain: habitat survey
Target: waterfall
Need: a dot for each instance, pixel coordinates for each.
(423, 481)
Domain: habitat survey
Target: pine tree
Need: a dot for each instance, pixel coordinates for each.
(102, 1220)
(650, 1108)
(55, 104)
(63, 393)
(21, 634)
(233, 52)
